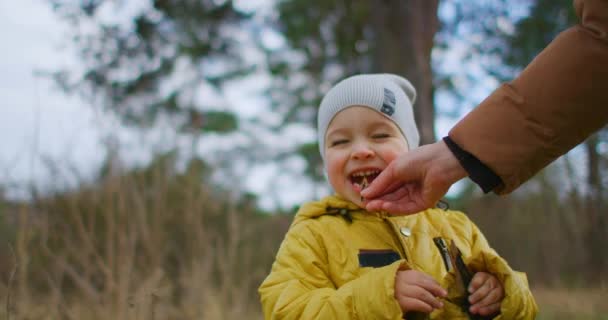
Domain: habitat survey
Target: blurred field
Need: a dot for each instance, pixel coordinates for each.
(157, 244)
(554, 303)
(581, 303)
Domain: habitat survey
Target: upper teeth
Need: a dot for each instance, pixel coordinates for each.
(365, 173)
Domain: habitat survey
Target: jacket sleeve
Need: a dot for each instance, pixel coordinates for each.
(518, 302)
(558, 100)
(299, 287)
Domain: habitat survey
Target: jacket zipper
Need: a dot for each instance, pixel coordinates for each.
(445, 253)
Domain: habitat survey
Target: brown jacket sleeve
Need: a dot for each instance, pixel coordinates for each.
(559, 99)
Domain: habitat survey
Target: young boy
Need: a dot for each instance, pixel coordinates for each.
(339, 261)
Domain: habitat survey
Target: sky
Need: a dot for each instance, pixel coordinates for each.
(39, 125)
(49, 139)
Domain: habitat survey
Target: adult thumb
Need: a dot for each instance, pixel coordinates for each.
(393, 176)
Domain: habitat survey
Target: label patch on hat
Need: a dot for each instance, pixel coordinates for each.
(388, 105)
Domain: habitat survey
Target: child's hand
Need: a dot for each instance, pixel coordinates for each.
(486, 294)
(417, 291)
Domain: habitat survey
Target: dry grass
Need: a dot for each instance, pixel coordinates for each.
(580, 303)
(151, 245)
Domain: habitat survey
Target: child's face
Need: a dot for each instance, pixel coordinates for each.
(359, 144)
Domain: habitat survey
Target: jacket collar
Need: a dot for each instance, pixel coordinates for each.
(332, 205)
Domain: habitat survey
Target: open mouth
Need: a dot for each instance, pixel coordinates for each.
(362, 179)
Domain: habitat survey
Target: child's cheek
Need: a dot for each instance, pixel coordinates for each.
(334, 170)
(390, 156)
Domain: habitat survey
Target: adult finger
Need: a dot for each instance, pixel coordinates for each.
(399, 171)
(393, 187)
(402, 207)
(396, 195)
(374, 205)
(399, 197)
(382, 183)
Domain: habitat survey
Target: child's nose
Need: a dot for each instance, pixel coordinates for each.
(362, 151)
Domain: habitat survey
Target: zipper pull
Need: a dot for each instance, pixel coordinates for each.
(445, 253)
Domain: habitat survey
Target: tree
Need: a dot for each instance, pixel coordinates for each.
(152, 63)
(151, 68)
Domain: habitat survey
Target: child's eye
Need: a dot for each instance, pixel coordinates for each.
(381, 135)
(338, 142)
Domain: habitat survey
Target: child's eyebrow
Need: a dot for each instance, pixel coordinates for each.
(380, 124)
(371, 126)
(336, 131)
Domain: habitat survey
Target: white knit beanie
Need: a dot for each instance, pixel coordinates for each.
(391, 95)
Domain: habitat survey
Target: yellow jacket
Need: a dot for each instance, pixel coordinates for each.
(339, 262)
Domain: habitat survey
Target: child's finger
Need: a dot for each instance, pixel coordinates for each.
(419, 293)
(429, 284)
(481, 291)
(495, 295)
(478, 280)
(412, 304)
(488, 310)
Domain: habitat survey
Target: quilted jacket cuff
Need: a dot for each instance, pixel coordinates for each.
(374, 296)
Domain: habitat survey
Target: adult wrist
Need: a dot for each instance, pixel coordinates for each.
(481, 174)
(451, 167)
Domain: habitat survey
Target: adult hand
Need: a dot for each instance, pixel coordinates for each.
(417, 291)
(414, 181)
(486, 294)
